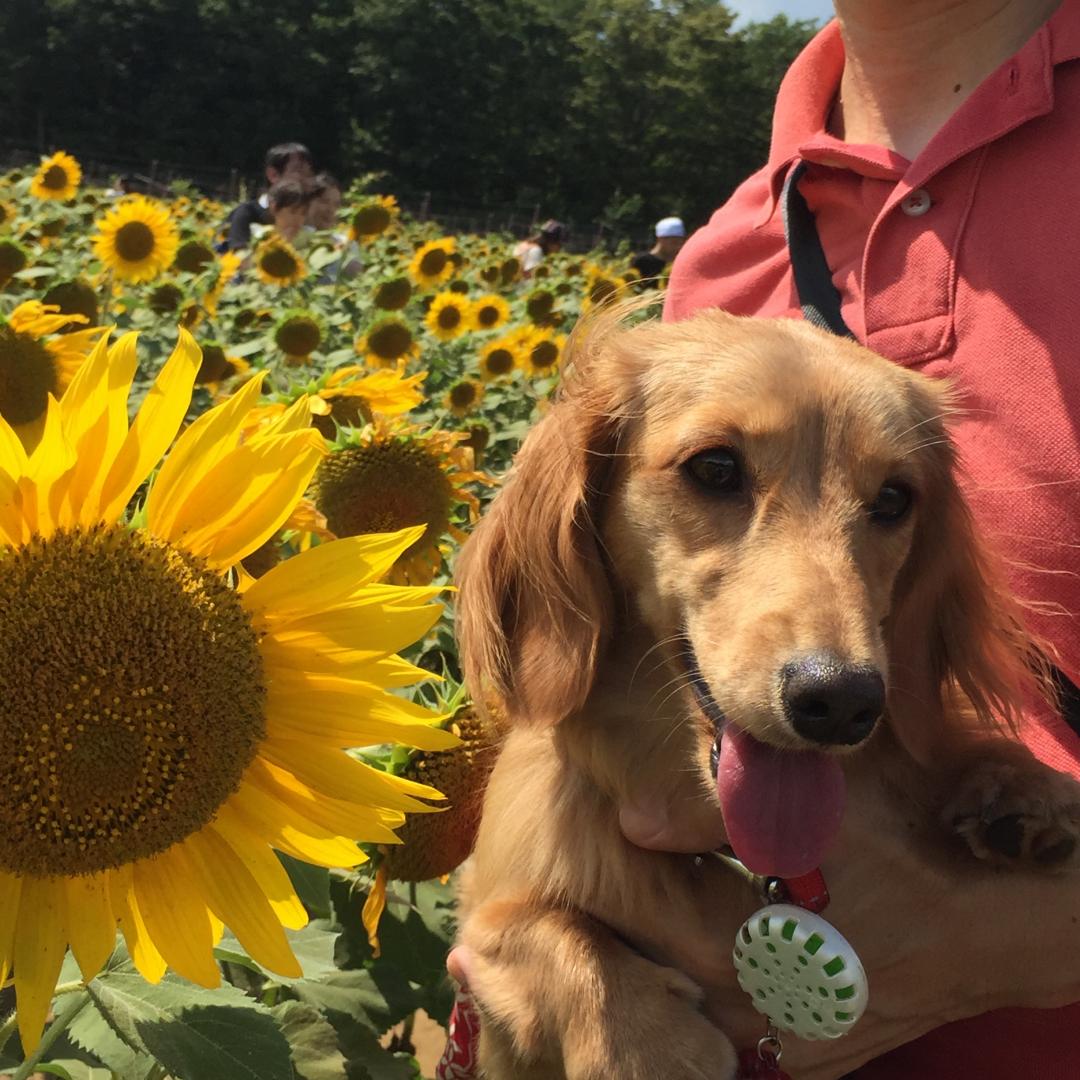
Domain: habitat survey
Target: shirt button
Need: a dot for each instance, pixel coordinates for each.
(916, 203)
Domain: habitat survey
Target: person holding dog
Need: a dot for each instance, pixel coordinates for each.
(934, 141)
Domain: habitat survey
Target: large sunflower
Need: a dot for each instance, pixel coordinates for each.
(489, 312)
(372, 217)
(350, 397)
(57, 178)
(136, 239)
(277, 262)
(499, 358)
(387, 342)
(541, 353)
(431, 264)
(448, 316)
(164, 730)
(36, 361)
(391, 475)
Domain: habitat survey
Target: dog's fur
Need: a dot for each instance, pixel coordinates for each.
(595, 565)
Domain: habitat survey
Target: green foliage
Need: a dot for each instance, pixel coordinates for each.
(580, 106)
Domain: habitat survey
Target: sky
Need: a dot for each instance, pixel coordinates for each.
(761, 10)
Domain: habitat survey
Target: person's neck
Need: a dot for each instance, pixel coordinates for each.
(910, 64)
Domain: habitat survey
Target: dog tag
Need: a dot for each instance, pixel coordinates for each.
(800, 972)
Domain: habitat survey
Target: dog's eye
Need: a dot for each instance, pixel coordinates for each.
(892, 503)
(716, 470)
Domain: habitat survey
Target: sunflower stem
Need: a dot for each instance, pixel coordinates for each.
(7, 1029)
(106, 299)
(65, 1013)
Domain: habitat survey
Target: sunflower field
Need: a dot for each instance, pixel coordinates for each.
(237, 768)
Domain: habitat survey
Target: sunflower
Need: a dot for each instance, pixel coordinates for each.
(57, 178)
(464, 397)
(136, 239)
(350, 397)
(217, 367)
(73, 298)
(499, 358)
(227, 267)
(601, 289)
(539, 304)
(12, 260)
(391, 472)
(510, 270)
(489, 312)
(542, 352)
(373, 217)
(165, 298)
(448, 316)
(7, 214)
(277, 262)
(431, 264)
(35, 365)
(194, 256)
(298, 334)
(393, 294)
(142, 785)
(386, 342)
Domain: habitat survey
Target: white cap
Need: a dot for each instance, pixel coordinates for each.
(670, 226)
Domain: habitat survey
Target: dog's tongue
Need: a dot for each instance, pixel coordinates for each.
(782, 808)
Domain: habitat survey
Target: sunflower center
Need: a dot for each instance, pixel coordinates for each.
(278, 263)
(134, 241)
(462, 394)
(55, 178)
(131, 688)
(544, 354)
(27, 377)
(371, 220)
(215, 365)
(500, 361)
(449, 317)
(385, 487)
(390, 340)
(298, 337)
(487, 316)
(433, 262)
(393, 295)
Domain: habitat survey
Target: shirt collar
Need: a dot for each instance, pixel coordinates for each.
(1018, 91)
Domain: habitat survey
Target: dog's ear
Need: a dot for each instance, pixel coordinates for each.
(956, 631)
(535, 604)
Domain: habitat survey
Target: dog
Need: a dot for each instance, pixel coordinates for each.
(731, 572)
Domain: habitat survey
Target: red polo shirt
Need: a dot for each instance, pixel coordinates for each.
(962, 263)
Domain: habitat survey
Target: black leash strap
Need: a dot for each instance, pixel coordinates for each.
(820, 303)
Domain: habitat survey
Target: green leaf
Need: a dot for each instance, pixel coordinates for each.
(367, 1059)
(93, 1033)
(378, 1000)
(196, 1034)
(312, 885)
(313, 947)
(312, 1041)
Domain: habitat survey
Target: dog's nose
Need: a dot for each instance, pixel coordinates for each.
(831, 702)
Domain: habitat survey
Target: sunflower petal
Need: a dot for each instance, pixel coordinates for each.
(327, 575)
(196, 452)
(333, 773)
(149, 963)
(234, 896)
(347, 713)
(291, 832)
(265, 867)
(296, 417)
(154, 427)
(168, 893)
(40, 944)
(10, 889)
(91, 925)
(249, 497)
(374, 906)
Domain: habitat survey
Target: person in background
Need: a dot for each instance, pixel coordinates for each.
(289, 202)
(286, 161)
(532, 250)
(650, 265)
(324, 202)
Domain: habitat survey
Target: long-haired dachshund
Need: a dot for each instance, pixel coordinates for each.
(737, 531)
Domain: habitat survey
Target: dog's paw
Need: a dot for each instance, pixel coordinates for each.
(1012, 815)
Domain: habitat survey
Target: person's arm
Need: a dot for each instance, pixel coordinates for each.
(240, 227)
